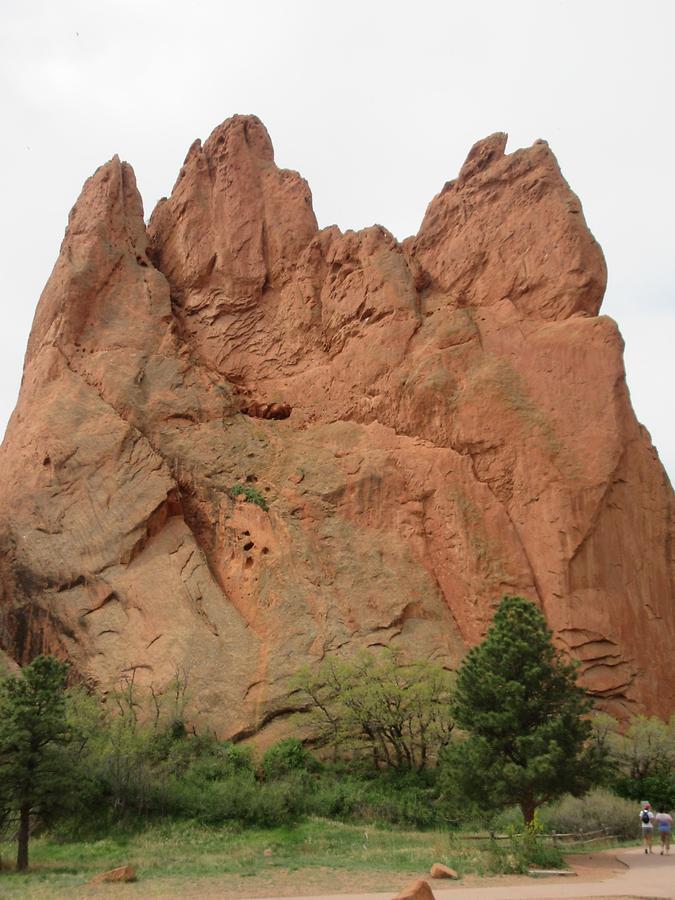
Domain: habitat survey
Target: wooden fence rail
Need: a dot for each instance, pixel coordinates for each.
(571, 838)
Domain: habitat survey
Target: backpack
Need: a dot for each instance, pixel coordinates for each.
(645, 817)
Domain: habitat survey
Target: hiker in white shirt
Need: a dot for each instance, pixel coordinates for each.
(646, 820)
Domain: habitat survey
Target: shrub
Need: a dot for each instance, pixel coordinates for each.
(381, 799)
(250, 494)
(285, 757)
(223, 759)
(526, 848)
(598, 809)
(238, 799)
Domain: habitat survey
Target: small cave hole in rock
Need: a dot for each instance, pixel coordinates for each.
(46, 461)
(246, 533)
(267, 489)
(249, 562)
(265, 551)
(249, 545)
(251, 479)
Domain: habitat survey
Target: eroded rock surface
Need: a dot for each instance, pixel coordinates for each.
(429, 425)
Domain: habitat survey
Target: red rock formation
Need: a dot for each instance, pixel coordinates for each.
(461, 428)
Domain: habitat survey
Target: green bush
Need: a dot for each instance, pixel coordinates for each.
(250, 494)
(598, 809)
(223, 760)
(527, 848)
(376, 800)
(658, 785)
(285, 757)
(238, 799)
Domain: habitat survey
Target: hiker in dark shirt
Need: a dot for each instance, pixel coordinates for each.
(646, 820)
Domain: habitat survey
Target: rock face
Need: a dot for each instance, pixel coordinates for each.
(426, 426)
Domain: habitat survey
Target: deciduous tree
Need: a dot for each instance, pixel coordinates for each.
(644, 760)
(398, 712)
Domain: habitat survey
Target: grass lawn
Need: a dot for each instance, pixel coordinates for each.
(175, 858)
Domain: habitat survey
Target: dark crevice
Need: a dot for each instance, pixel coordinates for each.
(109, 598)
(265, 720)
(68, 585)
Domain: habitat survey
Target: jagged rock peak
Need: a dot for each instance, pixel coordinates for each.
(482, 154)
(423, 427)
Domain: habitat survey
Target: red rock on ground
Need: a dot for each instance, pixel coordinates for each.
(438, 870)
(115, 876)
(418, 890)
(431, 425)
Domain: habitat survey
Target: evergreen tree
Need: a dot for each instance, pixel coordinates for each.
(33, 732)
(519, 701)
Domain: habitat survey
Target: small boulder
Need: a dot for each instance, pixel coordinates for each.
(418, 890)
(117, 876)
(267, 852)
(438, 870)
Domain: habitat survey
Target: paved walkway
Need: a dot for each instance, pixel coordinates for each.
(644, 877)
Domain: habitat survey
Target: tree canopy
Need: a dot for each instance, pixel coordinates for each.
(642, 758)
(525, 716)
(397, 712)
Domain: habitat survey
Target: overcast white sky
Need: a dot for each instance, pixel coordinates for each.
(375, 103)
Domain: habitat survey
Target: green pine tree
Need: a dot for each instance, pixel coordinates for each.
(518, 700)
(33, 732)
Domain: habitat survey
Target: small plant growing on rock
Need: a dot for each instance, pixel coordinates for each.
(250, 494)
